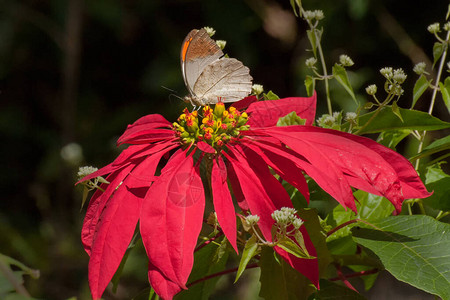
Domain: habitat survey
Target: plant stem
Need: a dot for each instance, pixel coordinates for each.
(322, 60)
(250, 266)
(356, 274)
(343, 278)
(433, 96)
(341, 226)
(442, 214)
(207, 242)
(375, 114)
(9, 275)
(325, 74)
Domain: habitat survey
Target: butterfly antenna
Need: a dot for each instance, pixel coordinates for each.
(173, 94)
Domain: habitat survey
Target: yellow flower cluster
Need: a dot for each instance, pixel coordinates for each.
(214, 126)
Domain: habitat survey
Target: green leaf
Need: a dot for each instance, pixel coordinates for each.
(340, 74)
(291, 119)
(370, 207)
(270, 96)
(317, 236)
(420, 87)
(414, 249)
(387, 120)
(330, 290)
(438, 181)
(116, 278)
(204, 265)
(310, 85)
(295, 3)
(312, 41)
(279, 281)
(448, 13)
(291, 247)
(396, 110)
(391, 138)
(438, 49)
(445, 91)
(250, 250)
(85, 195)
(442, 144)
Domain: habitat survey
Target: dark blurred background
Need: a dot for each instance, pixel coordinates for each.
(74, 73)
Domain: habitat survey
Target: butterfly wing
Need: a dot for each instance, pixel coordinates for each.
(197, 52)
(226, 78)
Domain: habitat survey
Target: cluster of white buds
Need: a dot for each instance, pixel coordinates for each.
(399, 76)
(330, 121)
(447, 26)
(257, 89)
(252, 219)
(387, 72)
(311, 62)
(346, 61)
(419, 68)
(434, 28)
(221, 44)
(85, 171)
(210, 30)
(314, 15)
(371, 89)
(287, 216)
(351, 117)
(394, 79)
(94, 182)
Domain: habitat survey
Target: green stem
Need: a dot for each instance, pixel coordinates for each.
(322, 60)
(442, 214)
(375, 114)
(325, 74)
(249, 266)
(433, 96)
(9, 275)
(341, 226)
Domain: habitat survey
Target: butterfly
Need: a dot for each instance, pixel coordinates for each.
(208, 75)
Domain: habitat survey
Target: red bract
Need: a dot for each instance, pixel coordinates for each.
(170, 206)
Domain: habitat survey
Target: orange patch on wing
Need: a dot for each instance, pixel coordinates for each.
(185, 48)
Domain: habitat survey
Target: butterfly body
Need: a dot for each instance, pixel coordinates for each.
(208, 75)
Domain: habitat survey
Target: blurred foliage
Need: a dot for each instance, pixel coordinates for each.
(74, 73)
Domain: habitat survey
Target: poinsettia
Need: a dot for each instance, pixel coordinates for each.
(243, 148)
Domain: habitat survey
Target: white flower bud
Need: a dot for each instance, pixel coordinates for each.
(399, 76)
(86, 170)
(387, 72)
(297, 223)
(310, 62)
(309, 15)
(318, 15)
(350, 116)
(210, 30)
(419, 68)
(257, 89)
(371, 89)
(447, 26)
(252, 219)
(346, 61)
(434, 28)
(221, 44)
